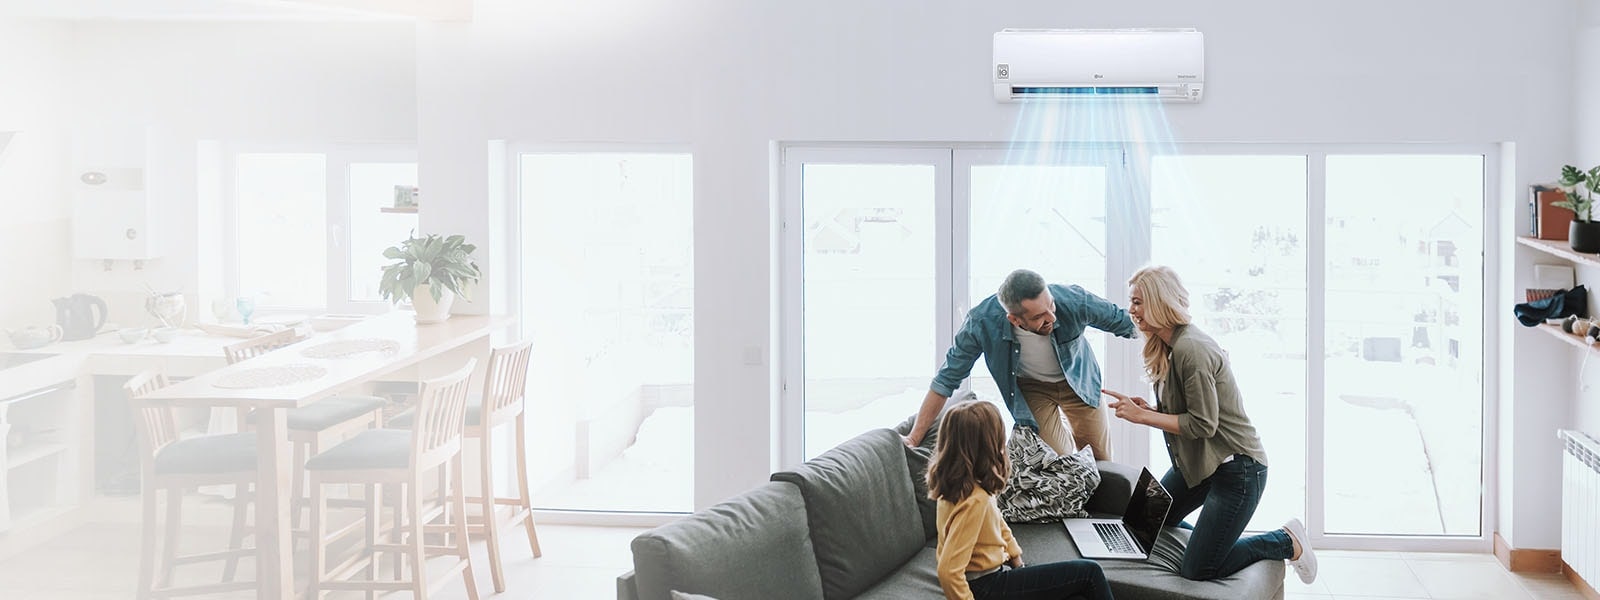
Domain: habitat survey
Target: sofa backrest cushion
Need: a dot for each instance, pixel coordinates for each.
(861, 511)
(747, 547)
(917, 460)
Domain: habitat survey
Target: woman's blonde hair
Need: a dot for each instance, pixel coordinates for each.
(1166, 305)
(971, 452)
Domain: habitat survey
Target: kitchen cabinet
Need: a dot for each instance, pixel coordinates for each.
(40, 454)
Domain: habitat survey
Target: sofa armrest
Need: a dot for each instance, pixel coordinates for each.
(625, 588)
(1116, 487)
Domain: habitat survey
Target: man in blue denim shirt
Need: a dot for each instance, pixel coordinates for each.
(1031, 337)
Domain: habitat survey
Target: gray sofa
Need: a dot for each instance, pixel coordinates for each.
(849, 524)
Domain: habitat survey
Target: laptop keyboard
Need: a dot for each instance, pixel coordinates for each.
(1115, 538)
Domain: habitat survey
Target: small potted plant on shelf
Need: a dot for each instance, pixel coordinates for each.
(1580, 187)
(431, 272)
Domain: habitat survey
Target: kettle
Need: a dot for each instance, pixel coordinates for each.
(78, 318)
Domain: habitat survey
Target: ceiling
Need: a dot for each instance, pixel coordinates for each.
(237, 10)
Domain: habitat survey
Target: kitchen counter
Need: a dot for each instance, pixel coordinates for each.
(191, 353)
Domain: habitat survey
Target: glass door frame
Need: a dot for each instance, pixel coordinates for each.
(1316, 334)
(1131, 443)
(790, 263)
(504, 183)
(1122, 251)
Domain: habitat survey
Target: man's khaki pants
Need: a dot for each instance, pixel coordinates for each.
(1051, 403)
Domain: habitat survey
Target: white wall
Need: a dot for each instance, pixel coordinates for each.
(33, 217)
(726, 78)
(1586, 120)
(179, 83)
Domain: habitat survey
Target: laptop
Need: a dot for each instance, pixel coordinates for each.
(1134, 534)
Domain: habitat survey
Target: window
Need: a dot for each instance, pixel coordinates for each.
(1347, 287)
(1247, 290)
(311, 226)
(1396, 331)
(607, 266)
(282, 224)
(870, 272)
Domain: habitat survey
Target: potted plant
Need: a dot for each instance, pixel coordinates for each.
(1584, 234)
(431, 272)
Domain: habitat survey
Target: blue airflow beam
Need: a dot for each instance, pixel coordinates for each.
(1084, 91)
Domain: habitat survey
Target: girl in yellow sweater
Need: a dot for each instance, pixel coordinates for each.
(978, 558)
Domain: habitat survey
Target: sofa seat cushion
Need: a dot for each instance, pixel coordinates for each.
(861, 511)
(917, 578)
(1157, 578)
(747, 547)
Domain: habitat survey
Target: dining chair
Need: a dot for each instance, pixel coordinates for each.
(312, 425)
(504, 390)
(175, 465)
(404, 459)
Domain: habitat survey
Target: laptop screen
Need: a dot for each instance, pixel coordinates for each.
(1147, 509)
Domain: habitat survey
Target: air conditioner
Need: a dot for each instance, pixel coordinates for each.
(1099, 64)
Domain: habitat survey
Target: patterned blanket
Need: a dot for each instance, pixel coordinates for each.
(1045, 486)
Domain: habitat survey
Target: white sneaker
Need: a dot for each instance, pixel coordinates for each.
(1306, 566)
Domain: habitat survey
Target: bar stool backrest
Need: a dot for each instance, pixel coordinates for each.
(157, 422)
(258, 346)
(506, 382)
(441, 416)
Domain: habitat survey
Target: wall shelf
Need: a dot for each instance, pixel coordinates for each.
(1560, 249)
(26, 454)
(413, 210)
(1575, 340)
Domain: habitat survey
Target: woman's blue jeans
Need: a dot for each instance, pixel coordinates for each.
(1230, 496)
(1053, 581)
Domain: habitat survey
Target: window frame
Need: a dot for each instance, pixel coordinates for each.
(337, 159)
(1133, 447)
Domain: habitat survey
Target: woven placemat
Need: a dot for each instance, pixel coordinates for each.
(261, 377)
(348, 348)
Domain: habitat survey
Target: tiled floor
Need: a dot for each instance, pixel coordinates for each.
(98, 560)
(1388, 575)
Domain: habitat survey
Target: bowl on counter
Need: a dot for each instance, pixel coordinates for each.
(132, 335)
(164, 334)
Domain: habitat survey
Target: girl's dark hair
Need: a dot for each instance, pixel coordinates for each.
(971, 451)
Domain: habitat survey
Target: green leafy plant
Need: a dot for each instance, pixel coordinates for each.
(1573, 181)
(444, 263)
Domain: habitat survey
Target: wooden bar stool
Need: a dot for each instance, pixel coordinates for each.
(176, 466)
(312, 425)
(401, 458)
(504, 389)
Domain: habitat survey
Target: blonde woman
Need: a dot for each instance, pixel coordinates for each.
(1217, 458)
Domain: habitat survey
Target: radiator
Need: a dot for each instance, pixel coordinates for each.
(1580, 505)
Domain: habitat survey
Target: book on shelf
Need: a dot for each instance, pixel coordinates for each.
(1548, 222)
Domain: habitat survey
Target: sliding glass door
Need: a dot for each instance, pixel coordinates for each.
(867, 228)
(1028, 208)
(1346, 284)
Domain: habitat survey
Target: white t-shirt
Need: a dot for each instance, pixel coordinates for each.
(1039, 361)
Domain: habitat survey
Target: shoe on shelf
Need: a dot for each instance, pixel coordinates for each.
(1306, 565)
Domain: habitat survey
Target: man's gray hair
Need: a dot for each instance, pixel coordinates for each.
(1020, 285)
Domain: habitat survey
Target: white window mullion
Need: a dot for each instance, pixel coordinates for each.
(338, 231)
(951, 208)
(1129, 212)
(1316, 340)
(791, 306)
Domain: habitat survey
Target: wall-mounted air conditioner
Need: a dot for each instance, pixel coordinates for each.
(1099, 64)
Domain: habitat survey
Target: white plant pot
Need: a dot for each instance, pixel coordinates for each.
(429, 311)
